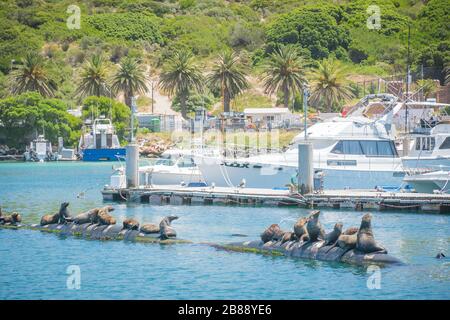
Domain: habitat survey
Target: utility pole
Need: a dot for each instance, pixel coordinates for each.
(305, 106)
(133, 110)
(153, 101)
(408, 76)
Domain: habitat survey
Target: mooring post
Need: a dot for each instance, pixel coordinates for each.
(305, 168)
(406, 146)
(132, 165)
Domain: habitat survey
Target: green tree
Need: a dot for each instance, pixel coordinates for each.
(32, 76)
(180, 76)
(284, 73)
(25, 115)
(130, 79)
(228, 75)
(427, 86)
(329, 85)
(94, 79)
(119, 113)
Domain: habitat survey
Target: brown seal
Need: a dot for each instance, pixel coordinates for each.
(13, 218)
(60, 217)
(314, 227)
(272, 233)
(166, 230)
(90, 216)
(350, 231)
(331, 237)
(149, 228)
(130, 224)
(300, 229)
(288, 236)
(365, 240)
(104, 218)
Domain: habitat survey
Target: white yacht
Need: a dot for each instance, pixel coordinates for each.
(353, 152)
(430, 182)
(430, 147)
(174, 167)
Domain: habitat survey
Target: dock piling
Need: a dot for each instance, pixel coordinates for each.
(132, 165)
(305, 168)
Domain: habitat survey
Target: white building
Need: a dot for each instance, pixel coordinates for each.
(268, 114)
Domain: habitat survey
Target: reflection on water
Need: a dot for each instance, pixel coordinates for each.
(38, 262)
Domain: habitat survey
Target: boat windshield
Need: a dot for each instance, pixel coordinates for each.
(369, 148)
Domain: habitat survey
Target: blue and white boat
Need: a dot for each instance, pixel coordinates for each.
(100, 143)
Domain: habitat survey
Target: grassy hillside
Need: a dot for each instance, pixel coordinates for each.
(153, 30)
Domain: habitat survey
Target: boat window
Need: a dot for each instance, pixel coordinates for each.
(347, 147)
(369, 148)
(366, 147)
(425, 143)
(418, 144)
(384, 148)
(186, 163)
(445, 144)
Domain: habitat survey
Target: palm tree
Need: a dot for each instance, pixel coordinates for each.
(130, 79)
(427, 86)
(180, 76)
(32, 76)
(284, 72)
(329, 84)
(94, 78)
(228, 75)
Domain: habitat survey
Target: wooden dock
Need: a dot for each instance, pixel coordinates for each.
(337, 199)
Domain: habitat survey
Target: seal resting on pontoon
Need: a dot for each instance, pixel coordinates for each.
(166, 231)
(11, 219)
(365, 241)
(62, 216)
(272, 233)
(149, 228)
(90, 216)
(131, 224)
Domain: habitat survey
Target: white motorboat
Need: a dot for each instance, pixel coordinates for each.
(430, 182)
(353, 152)
(174, 167)
(40, 150)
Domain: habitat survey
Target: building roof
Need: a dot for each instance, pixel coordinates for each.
(266, 110)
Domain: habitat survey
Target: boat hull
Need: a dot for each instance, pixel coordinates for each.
(103, 154)
(268, 176)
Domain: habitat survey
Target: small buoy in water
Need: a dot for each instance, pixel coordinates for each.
(440, 255)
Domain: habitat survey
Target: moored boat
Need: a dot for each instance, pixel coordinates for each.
(100, 143)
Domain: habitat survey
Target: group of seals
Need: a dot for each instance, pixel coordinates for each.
(101, 216)
(307, 230)
(92, 215)
(11, 219)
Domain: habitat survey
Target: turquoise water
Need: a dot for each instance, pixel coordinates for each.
(34, 264)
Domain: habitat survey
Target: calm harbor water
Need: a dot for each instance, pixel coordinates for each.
(34, 264)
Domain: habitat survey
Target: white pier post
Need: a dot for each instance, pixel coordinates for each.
(132, 165)
(305, 168)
